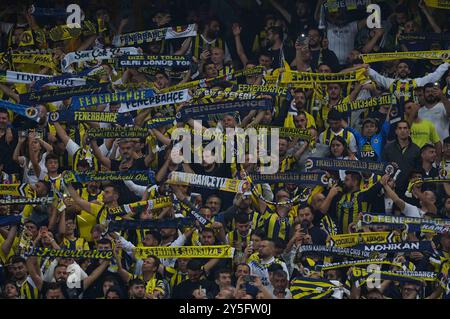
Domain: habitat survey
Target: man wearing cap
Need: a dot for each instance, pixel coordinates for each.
(336, 128)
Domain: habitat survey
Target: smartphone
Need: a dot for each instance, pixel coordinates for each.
(23, 133)
(249, 278)
(302, 39)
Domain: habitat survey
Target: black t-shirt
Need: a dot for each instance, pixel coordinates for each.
(318, 236)
(126, 196)
(276, 56)
(7, 150)
(185, 289)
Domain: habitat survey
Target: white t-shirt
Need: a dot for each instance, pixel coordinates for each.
(341, 40)
(438, 115)
(259, 268)
(412, 211)
(29, 174)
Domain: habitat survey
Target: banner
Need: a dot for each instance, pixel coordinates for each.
(29, 112)
(7, 220)
(353, 263)
(424, 36)
(36, 59)
(201, 110)
(211, 182)
(291, 178)
(294, 77)
(351, 240)
(371, 219)
(313, 288)
(48, 12)
(400, 275)
(124, 225)
(364, 104)
(157, 61)
(65, 76)
(198, 217)
(90, 176)
(440, 4)
(66, 32)
(427, 180)
(141, 37)
(156, 100)
(422, 246)
(118, 132)
(96, 54)
(257, 70)
(388, 56)
(266, 89)
(116, 97)
(34, 97)
(302, 134)
(334, 251)
(349, 165)
(134, 209)
(28, 78)
(332, 6)
(409, 224)
(27, 201)
(221, 95)
(219, 251)
(88, 116)
(159, 121)
(69, 253)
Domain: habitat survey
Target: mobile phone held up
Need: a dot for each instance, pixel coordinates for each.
(302, 39)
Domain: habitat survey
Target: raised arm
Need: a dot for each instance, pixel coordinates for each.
(325, 206)
(373, 41)
(184, 47)
(16, 154)
(380, 79)
(9, 92)
(88, 281)
(9, 241)
(430, 18)
(433, 77)
(34, 271)
(392, 194)
(99, 155)
(237, 40)
(84, 204)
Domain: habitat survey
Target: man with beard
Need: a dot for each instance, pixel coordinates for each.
(345, 203)
(210, 38)
(278, 51)
(403, 86)
(61, 272)
(137, 289)
(320, 55)
(436, 108)
(306, 218)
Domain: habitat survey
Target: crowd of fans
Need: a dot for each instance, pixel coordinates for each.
(265, 226)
